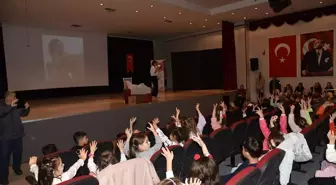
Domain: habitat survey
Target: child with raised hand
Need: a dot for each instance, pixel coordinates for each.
(175, 137)
(105, 159)
(170, 180)
(50, 170)
(218, 116)
(298, 123)
(190, 123)
(138, 145)
(274, 122)
(328, 168)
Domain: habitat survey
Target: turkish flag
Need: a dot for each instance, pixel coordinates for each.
(282, 56)
(129, 63)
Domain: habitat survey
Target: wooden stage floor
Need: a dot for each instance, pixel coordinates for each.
(61, 107)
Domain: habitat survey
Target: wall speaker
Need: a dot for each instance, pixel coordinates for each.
(254, 63)
(279, 5)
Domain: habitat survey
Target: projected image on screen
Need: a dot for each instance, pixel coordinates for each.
(63, 58)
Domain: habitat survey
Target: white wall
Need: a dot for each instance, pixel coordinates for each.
(258, 42)
(212, 40)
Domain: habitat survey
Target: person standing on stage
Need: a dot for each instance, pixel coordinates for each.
(154, 71)
(11, 134)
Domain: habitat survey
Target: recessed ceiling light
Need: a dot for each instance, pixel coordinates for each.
(203, 26)
(321, 2)
(137, 11)
(232, 13)
(180, 13)
(190, 23)
(152, 6)
(244, 17)
(164, 17)
(256, 8)
(101, 4)
(205, 19)
(218, 23)
(266, 13)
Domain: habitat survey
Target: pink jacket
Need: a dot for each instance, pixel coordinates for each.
(137, 171)
(266, 132)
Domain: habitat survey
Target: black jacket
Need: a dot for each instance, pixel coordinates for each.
(11, 126)
(310, 61)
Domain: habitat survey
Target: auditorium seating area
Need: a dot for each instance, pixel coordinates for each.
(224, 145)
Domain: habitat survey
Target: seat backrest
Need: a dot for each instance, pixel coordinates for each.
(82, 180)
(31, 180)
(248, 176)
(222, 139)
(159, 161)
(269, 167)
(68, 157)
(238, 130)
(253, 128)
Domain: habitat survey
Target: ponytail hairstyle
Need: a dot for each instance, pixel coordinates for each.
(105, 159)
(301, 122)
(190, 124)
(206, 170)
(178, 134)
(47, 168)
(136, 140)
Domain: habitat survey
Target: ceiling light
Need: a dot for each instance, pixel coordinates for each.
(101, 4)
(256, 8)
(137, 11)
(244, 17)
(152, 6)
(232, 13)
(180, 13)
(218, 23)
(206, 19)
(164, 17)
(266, 13)
(203, 26)
(321, 2)
(190, 23)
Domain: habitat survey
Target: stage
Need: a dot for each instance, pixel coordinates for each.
(104, 116)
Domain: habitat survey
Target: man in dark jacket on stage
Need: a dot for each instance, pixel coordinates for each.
(11, 134)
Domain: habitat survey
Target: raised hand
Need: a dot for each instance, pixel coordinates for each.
(331, 137)
(151, 128)
(120, 145)
(32, 160)
(167, 154)
(192, 181)
(155, 122)
(128, 133)
(83, 154)
(281, 107)
(197, 107)
(259, 112)
(332, 117)
(198, 140)
(93, 147)
(14, 103)
(132, 121)
(178, 111)
(27, 105)
(292, 108)
(273, 119)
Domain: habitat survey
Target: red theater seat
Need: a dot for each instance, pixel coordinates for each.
(248, 176)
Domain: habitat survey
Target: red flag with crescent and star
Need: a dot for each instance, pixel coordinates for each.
(282, 56)
(129, 63)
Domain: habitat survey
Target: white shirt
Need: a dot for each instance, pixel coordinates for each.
(319, 54)
(94, 168)
(65, 176)
(154, 71)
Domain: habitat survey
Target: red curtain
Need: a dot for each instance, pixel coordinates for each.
(229, 56)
